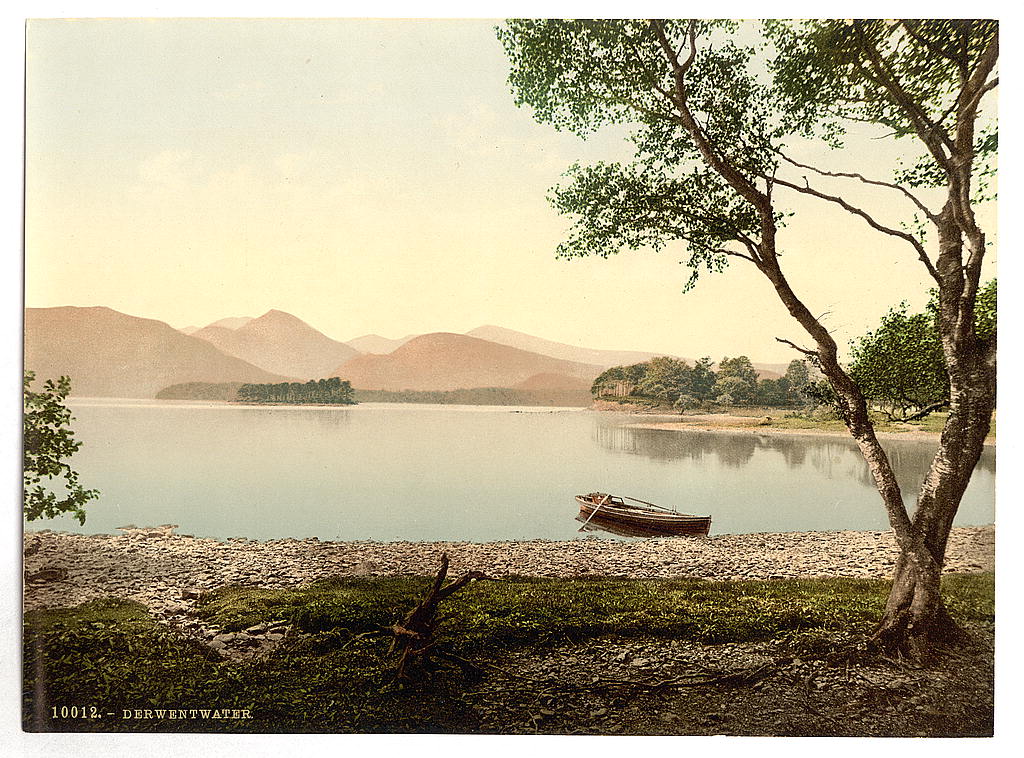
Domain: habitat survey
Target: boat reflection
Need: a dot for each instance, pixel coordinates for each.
(598, 524)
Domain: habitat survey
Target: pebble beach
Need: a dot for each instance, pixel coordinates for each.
(167, 571)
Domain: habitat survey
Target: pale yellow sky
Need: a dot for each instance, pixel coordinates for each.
(375, 176)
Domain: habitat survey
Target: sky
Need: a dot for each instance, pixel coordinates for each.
(375, 176)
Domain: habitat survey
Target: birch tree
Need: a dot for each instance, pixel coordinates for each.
(713, 170)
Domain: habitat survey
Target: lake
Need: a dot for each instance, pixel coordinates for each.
(464, 473)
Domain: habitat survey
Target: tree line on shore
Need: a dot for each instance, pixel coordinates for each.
(333, 391)
(898, 367)
(675, 382)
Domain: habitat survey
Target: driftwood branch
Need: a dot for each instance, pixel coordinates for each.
(414, 635)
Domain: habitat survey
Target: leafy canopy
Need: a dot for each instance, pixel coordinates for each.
(837, 71)
(582, 75)
(49, 442)
(900, 366)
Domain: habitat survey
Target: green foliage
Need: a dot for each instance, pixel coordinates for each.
(798, 376)
(984, 310)
(900, 366)
(663, 380)
(581, 75)
(737, 380)
(670, 381)
(823, 396)
(825, 80)
(331, 391)
(48, 442)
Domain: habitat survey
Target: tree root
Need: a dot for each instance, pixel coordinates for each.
(414, 635)
(922, 640)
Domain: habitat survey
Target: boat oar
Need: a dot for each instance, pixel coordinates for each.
(604, 500)
(659, 507)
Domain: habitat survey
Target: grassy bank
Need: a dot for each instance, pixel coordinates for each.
(782, 419)
(332, 672)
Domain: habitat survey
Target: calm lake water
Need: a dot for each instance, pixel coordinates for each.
(419, 472)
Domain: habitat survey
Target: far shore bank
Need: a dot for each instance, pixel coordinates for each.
(749, 426)
(769, 423)
(167, 572)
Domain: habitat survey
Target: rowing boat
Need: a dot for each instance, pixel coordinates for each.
(612, 510)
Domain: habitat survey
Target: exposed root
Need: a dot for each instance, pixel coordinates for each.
(903, 635)
(414, 635)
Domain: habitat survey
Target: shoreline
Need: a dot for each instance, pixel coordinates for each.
(711, 422)
(167, 572)
(770, 431)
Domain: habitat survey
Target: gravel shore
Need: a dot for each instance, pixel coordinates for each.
(167, 571)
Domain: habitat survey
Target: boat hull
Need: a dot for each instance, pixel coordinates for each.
(648, 521)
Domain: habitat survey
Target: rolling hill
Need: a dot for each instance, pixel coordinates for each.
(446, 361)
(603, 358)
(374, 343)
(112, 354)
(280, 343)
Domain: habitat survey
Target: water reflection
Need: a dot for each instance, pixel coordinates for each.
(833, 456)
(598, 524)
(736, 451)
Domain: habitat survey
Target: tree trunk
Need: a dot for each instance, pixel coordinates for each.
(916, 621)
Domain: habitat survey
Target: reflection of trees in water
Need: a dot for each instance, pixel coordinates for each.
(730, 450)
(835, 457)
(320, 416)
(911, 460)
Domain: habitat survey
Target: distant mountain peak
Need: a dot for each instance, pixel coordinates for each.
(276, 313)
(232, 322)
(281, 343)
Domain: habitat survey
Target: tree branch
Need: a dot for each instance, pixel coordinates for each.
(727, 171)
(934, 138)
(909, 238)
(793, 345)
(853, 175)
(726, 251)
(920, 39)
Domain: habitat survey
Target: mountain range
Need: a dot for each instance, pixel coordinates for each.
(603, 358)
(446, 361)
(280, 343)
(113, 354)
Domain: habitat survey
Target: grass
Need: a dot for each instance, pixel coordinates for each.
(782, 418)
(337, 676)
